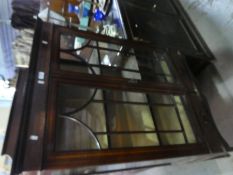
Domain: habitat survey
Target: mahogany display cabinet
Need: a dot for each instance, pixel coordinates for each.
(92, 103)
(106, 101)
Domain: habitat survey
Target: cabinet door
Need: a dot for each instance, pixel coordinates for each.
(114, 101)
(90, 118)
(89, 125)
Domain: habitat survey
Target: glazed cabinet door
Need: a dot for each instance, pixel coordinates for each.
(113, 101)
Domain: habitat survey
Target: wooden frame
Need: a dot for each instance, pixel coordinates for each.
(74, 159)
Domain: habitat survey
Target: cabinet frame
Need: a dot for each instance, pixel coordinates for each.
(72, 159)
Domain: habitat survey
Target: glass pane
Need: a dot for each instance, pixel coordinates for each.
(67, 42)
(125, 96)
(154, 66)
(162, 67)
(166, 118)
(83, 113)
(87, 54)
(134, 140)
(111, 71)
(117, 56)
(81, 57)
(165, 68)
(131, 75)
(72, 42)
(166, 71)
(79, 118)
(72, 135)
(103, 139)
(172, 138)
(126, 117)
(72, 97)
(82, 60)
(98, 95)
(93, 116)
(116, 60)
(186, 123)
(160, 99)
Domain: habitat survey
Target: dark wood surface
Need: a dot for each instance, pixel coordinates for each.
(37, 116)
(74, 159)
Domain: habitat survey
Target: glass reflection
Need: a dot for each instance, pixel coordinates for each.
(93, 116)
(125, 96)
(160, 99)
(72, 135)
(172, 138)
(185, 120)
(114, 60)
(125, 117)
(105, 119)
(72, 98)
(166, 118)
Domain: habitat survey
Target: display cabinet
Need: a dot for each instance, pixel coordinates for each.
(91, 100)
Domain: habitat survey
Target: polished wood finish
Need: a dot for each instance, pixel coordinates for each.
(37, 116)
(79, 159)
